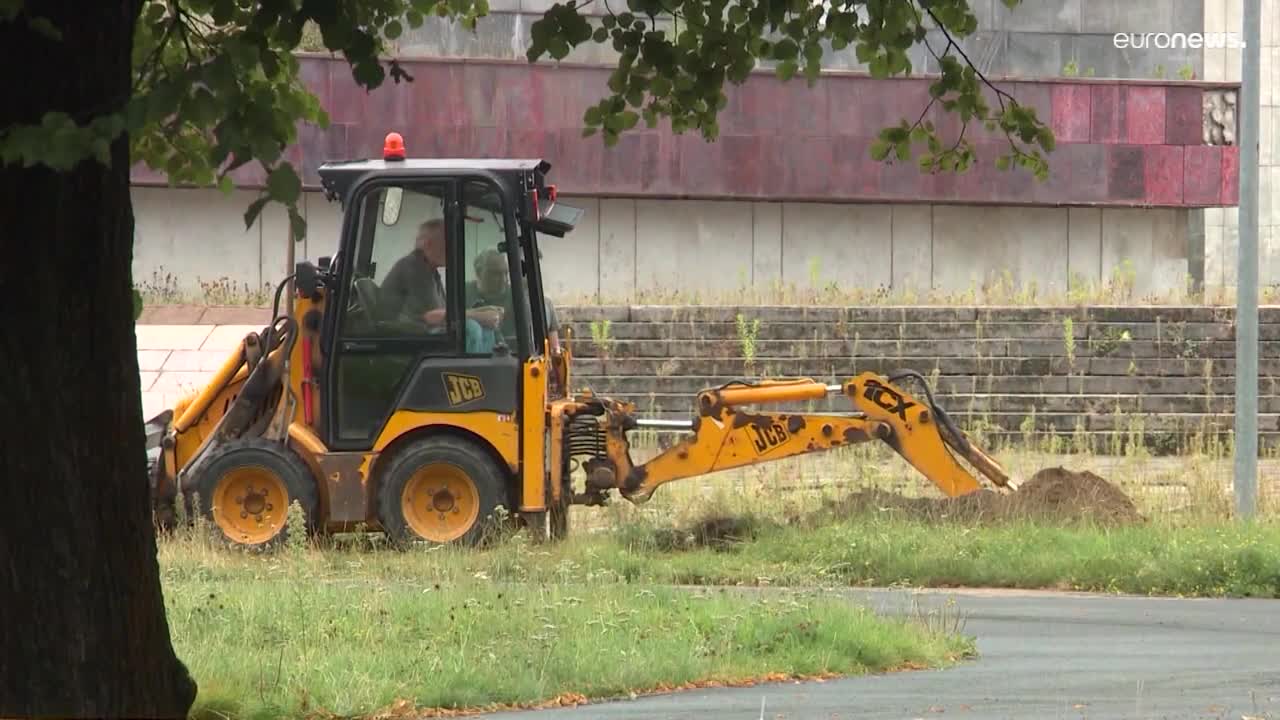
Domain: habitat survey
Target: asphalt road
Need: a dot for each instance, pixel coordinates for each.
(1043, 655)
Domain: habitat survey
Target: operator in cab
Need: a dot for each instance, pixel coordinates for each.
(413, 288)
(492, 288)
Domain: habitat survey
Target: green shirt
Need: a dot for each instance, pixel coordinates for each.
(411, 288)
(475, 298)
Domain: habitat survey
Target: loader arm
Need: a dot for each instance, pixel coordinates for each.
(724, 437)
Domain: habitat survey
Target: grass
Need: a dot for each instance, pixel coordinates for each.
(997, 289)
(305, 633)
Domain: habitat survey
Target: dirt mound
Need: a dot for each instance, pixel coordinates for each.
(1052, 495)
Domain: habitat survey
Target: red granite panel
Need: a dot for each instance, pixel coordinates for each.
(862, 106)
(744, 165)
(347, 98)
(1107, 114)
(1126, 173)
(436, 95)
(535, 142)
(631, 166)
(750, 110)
(249, 175)
(668, 165)
(390, 106)
(854, 173)
(479, 95)
(1163, 174)
(905, 180)
(1071, 113)
(1202, 174)
(1184, 121)
(775, 166)
(1144, 115)
(777, 141)
(1090, 166)
(319, 146)
(800, 109)
(811, 164)
(582, 159)
(700, 166)
(1230, 175)
(1061, 174)
(315, 77)
(489, 142)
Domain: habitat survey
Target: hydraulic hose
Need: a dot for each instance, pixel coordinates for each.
(957, 438)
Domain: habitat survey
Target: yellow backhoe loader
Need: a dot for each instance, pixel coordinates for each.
(409, 387)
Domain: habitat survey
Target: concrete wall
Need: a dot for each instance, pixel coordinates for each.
(627, 248)
(1037, 39)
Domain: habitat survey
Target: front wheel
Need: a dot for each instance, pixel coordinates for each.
(246, 490)
(441, 490)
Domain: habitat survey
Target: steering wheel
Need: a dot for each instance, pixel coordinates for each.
(364, 299)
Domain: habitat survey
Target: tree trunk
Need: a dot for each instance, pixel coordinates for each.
(83, 631)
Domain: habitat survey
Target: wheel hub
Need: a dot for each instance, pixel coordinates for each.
(254, 502)
(443, 501)
(440, 502)
(249, 504)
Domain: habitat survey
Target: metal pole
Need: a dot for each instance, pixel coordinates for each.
(1246, 422)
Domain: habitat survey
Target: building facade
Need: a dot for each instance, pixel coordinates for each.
(1142, 187)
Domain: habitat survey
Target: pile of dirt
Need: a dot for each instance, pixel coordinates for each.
(1052, 495)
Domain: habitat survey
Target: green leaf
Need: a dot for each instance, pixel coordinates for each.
(255, 209)
(283, 184)
(9, 9)
(155, 11)
(393, 29)
(45, 27)
(297, 224)
(786, 70)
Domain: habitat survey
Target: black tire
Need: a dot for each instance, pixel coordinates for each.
(464, 490)
(277, 470)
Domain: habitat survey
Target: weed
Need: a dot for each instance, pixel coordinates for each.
(747, 333)
(1069, 341)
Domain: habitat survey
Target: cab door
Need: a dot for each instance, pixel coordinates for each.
(407, 337)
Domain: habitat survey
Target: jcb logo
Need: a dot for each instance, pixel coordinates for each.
(767, 438)
(462, 388)
(888, 399)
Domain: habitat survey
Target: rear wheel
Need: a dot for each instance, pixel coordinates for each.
(441, 490)
(246, 488)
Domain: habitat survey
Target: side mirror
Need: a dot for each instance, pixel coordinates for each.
(391, 202)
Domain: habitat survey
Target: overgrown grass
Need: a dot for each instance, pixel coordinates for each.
(998, 288)
(303, 632)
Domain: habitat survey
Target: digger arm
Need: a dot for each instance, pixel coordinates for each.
(725, 437)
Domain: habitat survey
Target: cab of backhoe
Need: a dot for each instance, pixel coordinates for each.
(428, 329)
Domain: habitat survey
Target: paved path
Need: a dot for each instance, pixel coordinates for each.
(1044, 655)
